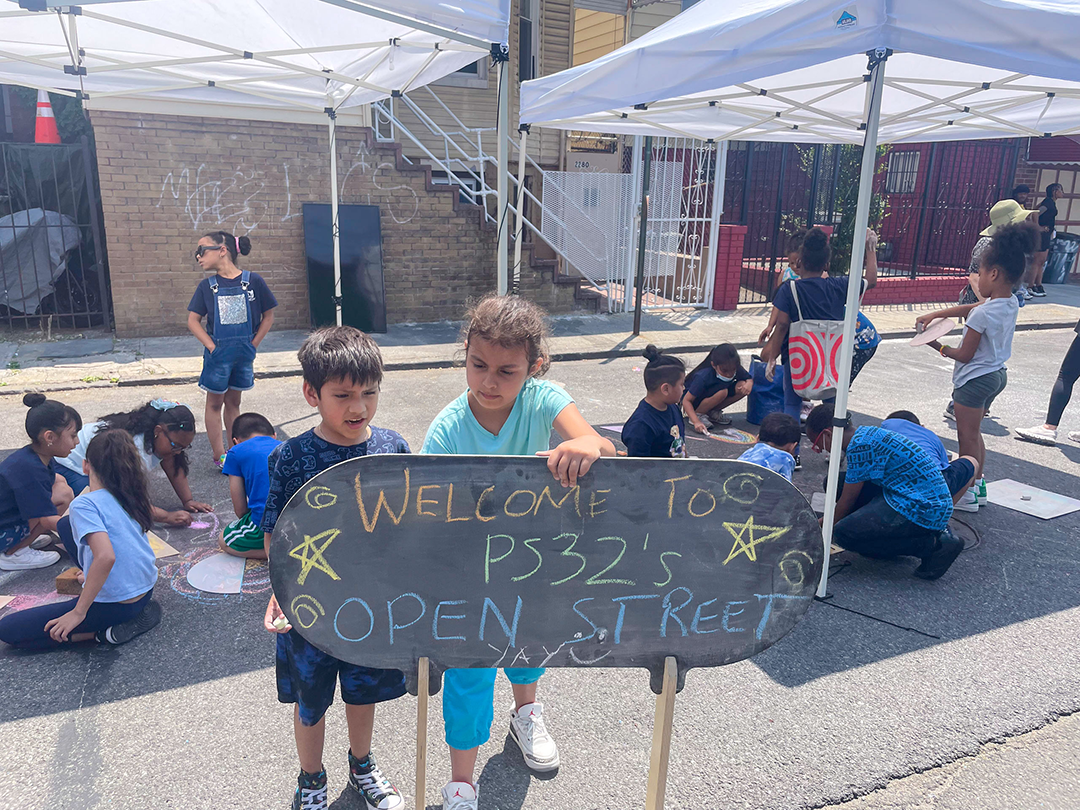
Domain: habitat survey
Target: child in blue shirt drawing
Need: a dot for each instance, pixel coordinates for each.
(33, 494)
(775, 448)
(656, 429)
(343, 369)
(249, 483)
(105, 533)
(718, 382)
(506, 411)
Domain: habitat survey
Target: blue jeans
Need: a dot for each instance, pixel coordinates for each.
(26, 628)
(467, 703)
(230, 367)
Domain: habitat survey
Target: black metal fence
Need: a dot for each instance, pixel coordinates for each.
(930, 202)
(52, 261)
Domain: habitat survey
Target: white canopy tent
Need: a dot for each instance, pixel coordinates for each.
(821, 71)
(302, 61)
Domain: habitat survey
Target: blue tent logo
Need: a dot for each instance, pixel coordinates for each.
(847, 20)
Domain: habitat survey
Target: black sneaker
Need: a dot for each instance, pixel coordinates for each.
(946, 550)
(125, 632)
(310, 791)
(798, 462)
(367, 780)
(1038, 291)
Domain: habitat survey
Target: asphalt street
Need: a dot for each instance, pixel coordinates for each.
(894, 677)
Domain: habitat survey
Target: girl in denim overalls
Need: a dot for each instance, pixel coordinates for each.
(239, 311)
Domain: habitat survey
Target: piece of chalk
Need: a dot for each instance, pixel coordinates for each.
(200, 525)
(1025, 497)
(281, 623)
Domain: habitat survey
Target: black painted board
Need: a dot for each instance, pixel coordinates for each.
(363, 297)
(488, 562)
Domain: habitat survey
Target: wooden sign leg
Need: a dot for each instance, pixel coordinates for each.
(421, 732)
(661, 740)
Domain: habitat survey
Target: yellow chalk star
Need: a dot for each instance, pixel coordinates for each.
(316, 558)
(741, 546)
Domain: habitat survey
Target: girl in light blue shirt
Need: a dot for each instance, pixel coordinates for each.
(106, 537)
(506, 411)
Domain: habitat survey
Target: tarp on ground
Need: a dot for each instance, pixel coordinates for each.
(795, 70)
(266, 59)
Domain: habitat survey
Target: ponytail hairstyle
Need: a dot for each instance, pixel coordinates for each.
(142, 421)
(662, 368)
(1009, 248)
(511, 323)
(1050, 189)
(721, 355)
(814, 254)
(48, 414)
(235, 245)
(116, 462)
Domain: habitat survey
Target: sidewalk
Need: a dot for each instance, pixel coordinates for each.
(101, 360)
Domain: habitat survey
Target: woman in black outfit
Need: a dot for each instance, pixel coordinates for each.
(1047, 219)
(1059, 398)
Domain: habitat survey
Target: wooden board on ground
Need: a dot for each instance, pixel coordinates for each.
(489, 562)
(4, 600)
(160, 547)
(219, 573)
(67, 583)
(1030, 500)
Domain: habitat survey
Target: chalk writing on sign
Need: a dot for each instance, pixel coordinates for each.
(484, 562)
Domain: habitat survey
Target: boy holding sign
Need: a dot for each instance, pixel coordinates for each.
(342, 372)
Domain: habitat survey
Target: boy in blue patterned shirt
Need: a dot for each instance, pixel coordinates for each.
(775, 449)
(342, 372)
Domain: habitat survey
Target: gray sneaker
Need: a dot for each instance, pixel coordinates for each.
(126, 631)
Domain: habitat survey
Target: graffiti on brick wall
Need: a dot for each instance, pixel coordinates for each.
(398, 200)
(234, 203)
(211, 201)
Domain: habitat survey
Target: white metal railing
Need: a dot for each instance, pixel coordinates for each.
(463, 159)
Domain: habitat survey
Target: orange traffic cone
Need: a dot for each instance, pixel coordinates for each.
(45, 126)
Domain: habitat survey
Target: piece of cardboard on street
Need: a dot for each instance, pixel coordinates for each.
(218, 573)
(160, 547)
(1030, 500)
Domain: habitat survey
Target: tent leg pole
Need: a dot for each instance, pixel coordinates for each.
(336, 233)
(503, 157)
(520, 219)
(855, 274)
(718, 179)
(635, 209)
(639, 283)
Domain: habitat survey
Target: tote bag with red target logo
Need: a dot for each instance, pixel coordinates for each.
(813, 354)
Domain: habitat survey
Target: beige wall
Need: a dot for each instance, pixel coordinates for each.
(596, 33)
(645, 16)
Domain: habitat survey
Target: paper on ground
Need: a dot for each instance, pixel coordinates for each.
(221, 573)
(1042, 504)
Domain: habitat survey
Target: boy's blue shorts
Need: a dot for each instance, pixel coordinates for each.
(306, 676)
(230, 367)
(13, 535)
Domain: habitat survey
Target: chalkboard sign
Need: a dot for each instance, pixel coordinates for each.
(488, 562)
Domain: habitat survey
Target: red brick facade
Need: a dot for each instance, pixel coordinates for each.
(729, 260)
(166, 180)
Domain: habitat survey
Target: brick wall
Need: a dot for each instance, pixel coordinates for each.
(939, 289)
(166, 180)
(729, 260)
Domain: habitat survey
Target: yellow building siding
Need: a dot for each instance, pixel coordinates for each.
(596, 33)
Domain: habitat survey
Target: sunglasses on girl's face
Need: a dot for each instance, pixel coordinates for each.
(201, 249)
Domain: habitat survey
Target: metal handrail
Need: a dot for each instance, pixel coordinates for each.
(465, 164)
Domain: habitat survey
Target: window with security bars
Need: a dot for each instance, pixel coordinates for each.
(902, 172)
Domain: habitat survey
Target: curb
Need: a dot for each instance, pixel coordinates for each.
(421, 365)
